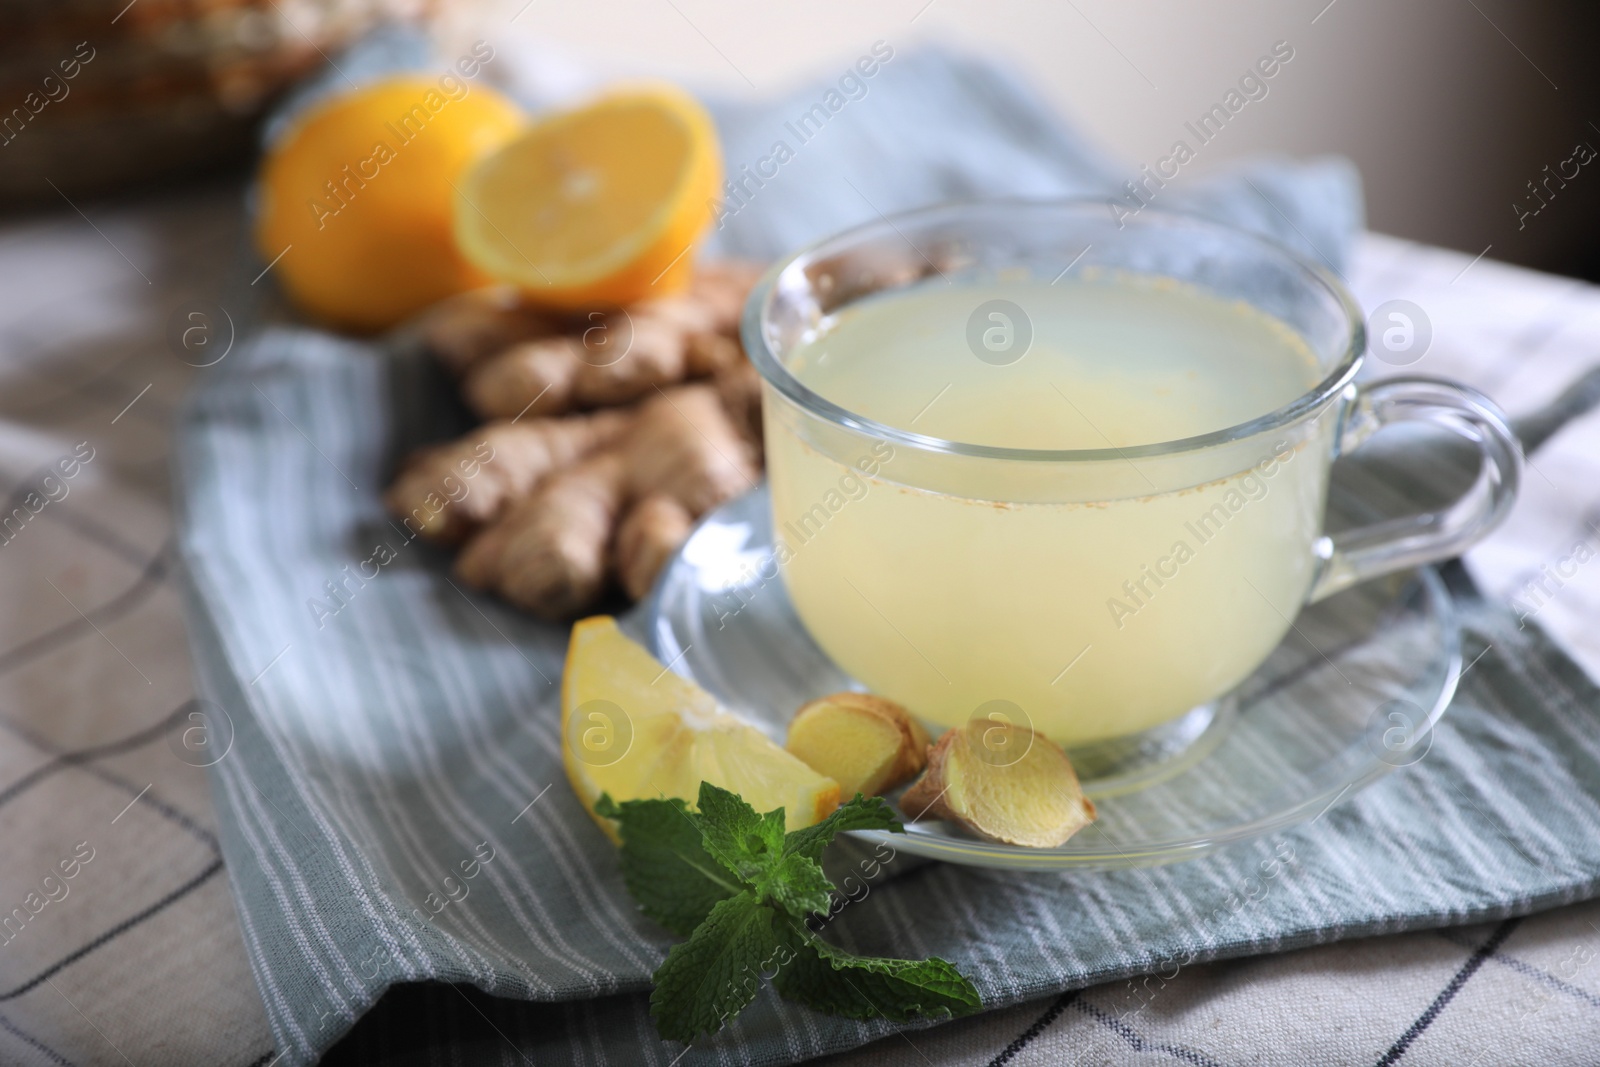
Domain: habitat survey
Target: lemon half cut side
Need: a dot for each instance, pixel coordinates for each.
(599, 205)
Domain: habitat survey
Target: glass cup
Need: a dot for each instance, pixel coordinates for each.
(1094, 594)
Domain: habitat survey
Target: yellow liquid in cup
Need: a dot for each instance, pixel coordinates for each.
(949, 601)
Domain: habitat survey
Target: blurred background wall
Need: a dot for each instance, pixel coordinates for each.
(1449, 107)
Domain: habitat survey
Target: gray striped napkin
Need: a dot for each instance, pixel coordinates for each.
(410, 736)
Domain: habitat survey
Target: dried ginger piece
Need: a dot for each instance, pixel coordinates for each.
(1002, 782)
(865, 743)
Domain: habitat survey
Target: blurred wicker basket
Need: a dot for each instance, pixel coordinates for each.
(97, 95)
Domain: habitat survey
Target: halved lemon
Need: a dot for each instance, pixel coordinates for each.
(633, 729)
(599, 205)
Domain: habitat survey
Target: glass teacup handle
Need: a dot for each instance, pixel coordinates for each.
(1353, 556)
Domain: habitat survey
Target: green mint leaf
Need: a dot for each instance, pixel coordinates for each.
(665, 864)
(832, 980)
(746, 843)
(795, 884)
(740, 889)
(755, 848)
(858, 813)
(715, 973)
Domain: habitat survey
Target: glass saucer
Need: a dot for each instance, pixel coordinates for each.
(1353, 692)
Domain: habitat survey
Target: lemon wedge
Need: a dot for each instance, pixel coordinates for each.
(598, 205)
(633, 729)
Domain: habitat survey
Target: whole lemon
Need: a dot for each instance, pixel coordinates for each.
(357, 197)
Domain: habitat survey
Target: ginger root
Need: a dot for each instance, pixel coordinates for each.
(611, 357)
(552, 554)
(446, 492)
(555, 504)
(1002, 782)
(464, 329)
(865, 743)
(648, 536)
(549, 554)
(739, 386)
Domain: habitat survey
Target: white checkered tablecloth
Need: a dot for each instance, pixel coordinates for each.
(137, 958)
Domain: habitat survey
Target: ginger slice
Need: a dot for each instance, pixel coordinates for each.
(865, 743)
(1002, 782)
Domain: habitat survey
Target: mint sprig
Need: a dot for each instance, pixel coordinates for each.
(740, 889)
(664, 864)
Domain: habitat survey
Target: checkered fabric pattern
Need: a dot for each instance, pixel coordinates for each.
(119, 941)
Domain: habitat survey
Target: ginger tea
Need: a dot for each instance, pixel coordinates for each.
(1087, 596)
